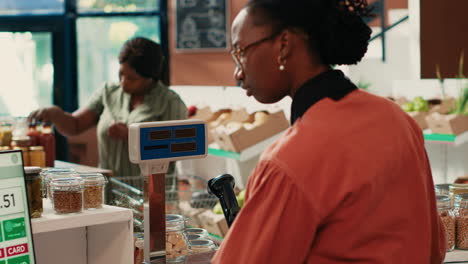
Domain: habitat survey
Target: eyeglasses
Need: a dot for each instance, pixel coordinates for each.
(239, 53)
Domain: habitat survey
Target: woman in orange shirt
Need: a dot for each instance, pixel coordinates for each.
(350, 181)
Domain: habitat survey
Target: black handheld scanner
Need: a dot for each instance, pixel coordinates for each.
(223, 187)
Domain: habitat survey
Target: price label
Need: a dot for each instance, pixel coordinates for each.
(11, 201)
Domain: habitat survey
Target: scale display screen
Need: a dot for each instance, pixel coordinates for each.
(172, 141)
(16, 244)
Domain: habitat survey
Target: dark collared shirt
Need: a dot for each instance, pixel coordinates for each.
(333, 84)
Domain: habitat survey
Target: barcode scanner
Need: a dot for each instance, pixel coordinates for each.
(223, 187)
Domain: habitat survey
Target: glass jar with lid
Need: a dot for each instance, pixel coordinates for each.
(442, 189)
(197, 231)
(7, 134)
(67, 195)
(25, 153)
(37, 156)
(461, 216)
(34, 190)
(199, 246)
(21, 141)
(177, 247)
(55, 173)
(447, 218)
(93, 190)
(457, 188)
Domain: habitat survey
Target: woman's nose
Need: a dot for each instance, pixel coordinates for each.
(238, 74)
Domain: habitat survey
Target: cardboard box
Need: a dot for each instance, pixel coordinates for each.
(452, 124)
(219, 118)
(192, 213)
(420, 118)
(214, 223)
(441, 106)
(239, 137)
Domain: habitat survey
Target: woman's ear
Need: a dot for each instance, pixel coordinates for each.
(286, 43)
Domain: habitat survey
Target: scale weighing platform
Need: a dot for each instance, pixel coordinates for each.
(153, 145)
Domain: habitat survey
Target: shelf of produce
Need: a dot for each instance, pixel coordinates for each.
(454, 140)
(456, 256)
(90, 237)
(246, 154)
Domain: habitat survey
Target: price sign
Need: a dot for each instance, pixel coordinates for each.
(16, 244)
(11, 201)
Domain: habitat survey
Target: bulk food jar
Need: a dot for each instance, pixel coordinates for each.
(34, 190)
(55, 173)
(67, 195)
(176, 241)
(442, 189)
(457, 188)
(201, 246)
(447, 218)
(93, 194)
(461, 216)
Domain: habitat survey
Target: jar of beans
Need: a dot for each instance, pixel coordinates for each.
(67, 195)
(177, 247)
(461, 218)
(447, 218)
(93, 193)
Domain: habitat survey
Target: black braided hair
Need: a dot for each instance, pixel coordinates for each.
(144, 56)
(334, 28)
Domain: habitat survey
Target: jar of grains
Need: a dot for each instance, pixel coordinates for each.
(34, 190)
(67, 195)
(93, 193)
(176, 241)
(55, 173)
(461, 216)
(447, 218)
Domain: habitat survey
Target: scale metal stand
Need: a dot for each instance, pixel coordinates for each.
(153, 145)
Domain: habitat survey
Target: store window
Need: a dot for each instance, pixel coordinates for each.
(98, 53)
(15, 7)
(117, 5)
(26, 72)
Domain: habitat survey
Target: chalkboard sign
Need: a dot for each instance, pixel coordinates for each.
(201, 25)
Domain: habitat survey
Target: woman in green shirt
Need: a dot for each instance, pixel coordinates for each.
(140, 96)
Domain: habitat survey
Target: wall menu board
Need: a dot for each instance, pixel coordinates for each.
(201, 25)
(16, 244)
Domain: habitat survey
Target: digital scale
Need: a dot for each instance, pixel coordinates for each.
(153, 145)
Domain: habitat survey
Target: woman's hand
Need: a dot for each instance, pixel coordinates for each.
(118, 131)
(47, 114)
